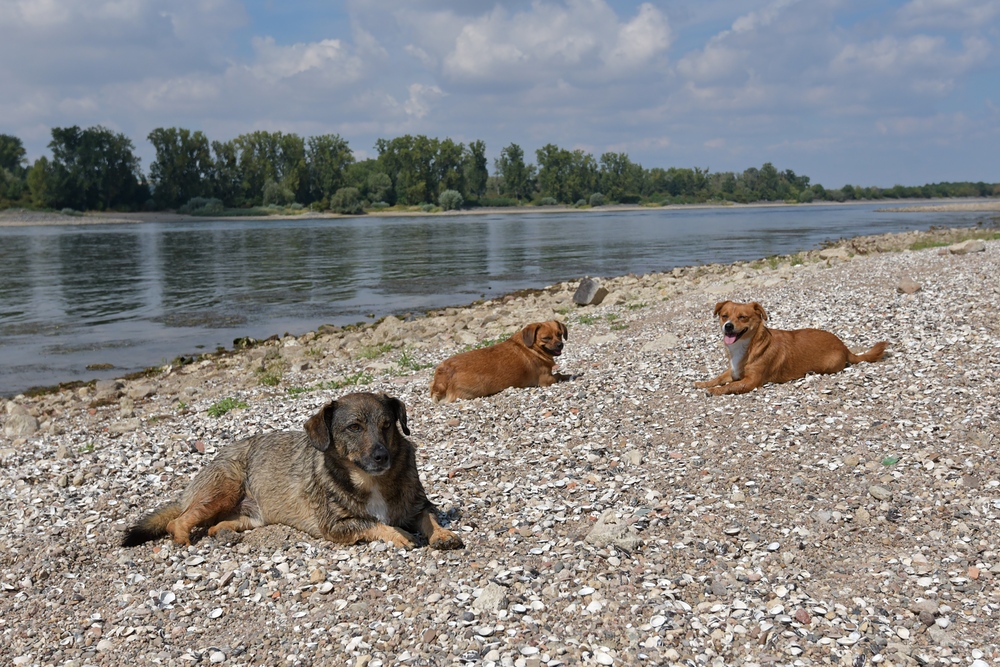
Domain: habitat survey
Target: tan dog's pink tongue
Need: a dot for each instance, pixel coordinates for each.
(729, 339)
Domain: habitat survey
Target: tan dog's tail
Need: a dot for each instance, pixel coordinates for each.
(439, 385)
(873, 354)
(152, 526)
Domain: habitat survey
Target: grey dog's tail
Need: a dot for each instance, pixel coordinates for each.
(874, 354)
(151, 526)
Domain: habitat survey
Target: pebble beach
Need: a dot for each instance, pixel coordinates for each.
(620, 518)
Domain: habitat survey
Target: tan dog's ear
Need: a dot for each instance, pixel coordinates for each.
(528, 334)
(319, 425)
(718, 307)
(398, 408)
(563, 330)
(759, 309)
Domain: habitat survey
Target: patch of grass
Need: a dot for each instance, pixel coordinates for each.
(298, 391)
(586, 319)
(564, 310)
(225, 405)
(407, 362)
(88, 448)
(924, 244)
(270, 375)
(636, 305)
(374, 351)
(314, 352)
(361, 377)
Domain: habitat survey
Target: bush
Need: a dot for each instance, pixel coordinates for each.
(580, 203)
(202, 206)
(428, 208)
(597, 199)
(806, 196)
(629, 199)
(379, 205)
(347, 201)
(547, 201)
(451, 200)
(276, 194)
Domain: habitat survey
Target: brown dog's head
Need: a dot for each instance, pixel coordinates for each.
(739, 320)
(547, 337)
(360, 428)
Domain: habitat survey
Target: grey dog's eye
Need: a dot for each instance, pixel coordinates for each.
(354, 428)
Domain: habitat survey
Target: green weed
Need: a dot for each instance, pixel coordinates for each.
(224, 406)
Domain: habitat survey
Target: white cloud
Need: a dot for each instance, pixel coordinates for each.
(328, 58)
(421, 99)
(951, 14)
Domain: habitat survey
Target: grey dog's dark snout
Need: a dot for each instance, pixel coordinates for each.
(380, 455)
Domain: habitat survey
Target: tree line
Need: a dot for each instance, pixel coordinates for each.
(95, 169)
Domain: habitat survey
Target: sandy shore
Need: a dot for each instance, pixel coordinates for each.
(620, 518)
(23, 217)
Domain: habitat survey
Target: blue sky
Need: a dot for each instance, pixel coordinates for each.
(861, 92)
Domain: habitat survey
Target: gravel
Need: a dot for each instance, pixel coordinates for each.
(621, 518)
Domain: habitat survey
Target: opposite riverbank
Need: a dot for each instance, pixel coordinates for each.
(25, 217)
(834, 519)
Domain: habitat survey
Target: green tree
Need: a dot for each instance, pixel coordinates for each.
(271, 156)
(12, 154)
(41, 177)
(96, 169)
(416, 165)
(566, 176)
(516, 177)
(328, 157)
(475, 169)
(182, 168)
(227, 183)
(620, 178)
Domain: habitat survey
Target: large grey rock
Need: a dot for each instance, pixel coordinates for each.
(908, 286)
(834, 253)
(589, 293)
(965, 247)
(20, 425)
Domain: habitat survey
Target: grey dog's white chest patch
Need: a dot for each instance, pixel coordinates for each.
(377, 506)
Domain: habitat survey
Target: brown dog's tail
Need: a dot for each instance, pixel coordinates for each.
(874, 354)
(439, 385)
(151, 526)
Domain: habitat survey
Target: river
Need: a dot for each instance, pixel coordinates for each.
(138, 295)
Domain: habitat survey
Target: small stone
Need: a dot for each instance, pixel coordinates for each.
(908, 286)
(493, 598)
(802, 616)
(965, 247)
(603, 658)
(880, 492)
(20, 426)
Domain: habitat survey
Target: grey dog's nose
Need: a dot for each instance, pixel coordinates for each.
(380, 455)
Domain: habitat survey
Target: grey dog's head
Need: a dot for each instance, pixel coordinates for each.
(360, 428)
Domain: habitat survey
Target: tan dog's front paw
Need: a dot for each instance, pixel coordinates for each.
(717, 391)
(445, 539)
(702, 385)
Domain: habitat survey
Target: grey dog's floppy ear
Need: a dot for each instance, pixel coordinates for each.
(399, 409)
(318, 426)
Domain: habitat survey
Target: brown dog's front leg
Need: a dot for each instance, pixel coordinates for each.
(738, 387)
(438, 537)
(725, 378)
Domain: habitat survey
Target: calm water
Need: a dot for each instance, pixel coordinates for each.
(138, 295)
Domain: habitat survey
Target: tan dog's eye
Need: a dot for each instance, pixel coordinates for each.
(743, 318)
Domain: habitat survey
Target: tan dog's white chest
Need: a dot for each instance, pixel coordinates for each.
(737, 353)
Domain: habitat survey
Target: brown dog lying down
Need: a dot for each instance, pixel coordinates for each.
(349, 476)
(526, 359)
(758, 354)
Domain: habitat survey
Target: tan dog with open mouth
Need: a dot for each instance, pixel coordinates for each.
(350, 476)
(526, 359)
(758, 355)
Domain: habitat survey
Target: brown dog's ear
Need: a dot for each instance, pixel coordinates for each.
(318, 427)
(563, 330)
(528, 334)
(719, 306)
(399, 409)
(759, 309)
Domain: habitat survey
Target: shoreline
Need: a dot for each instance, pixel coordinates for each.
(842, 249)
(28, 218)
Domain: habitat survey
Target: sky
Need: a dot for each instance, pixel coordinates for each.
(865, 92)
